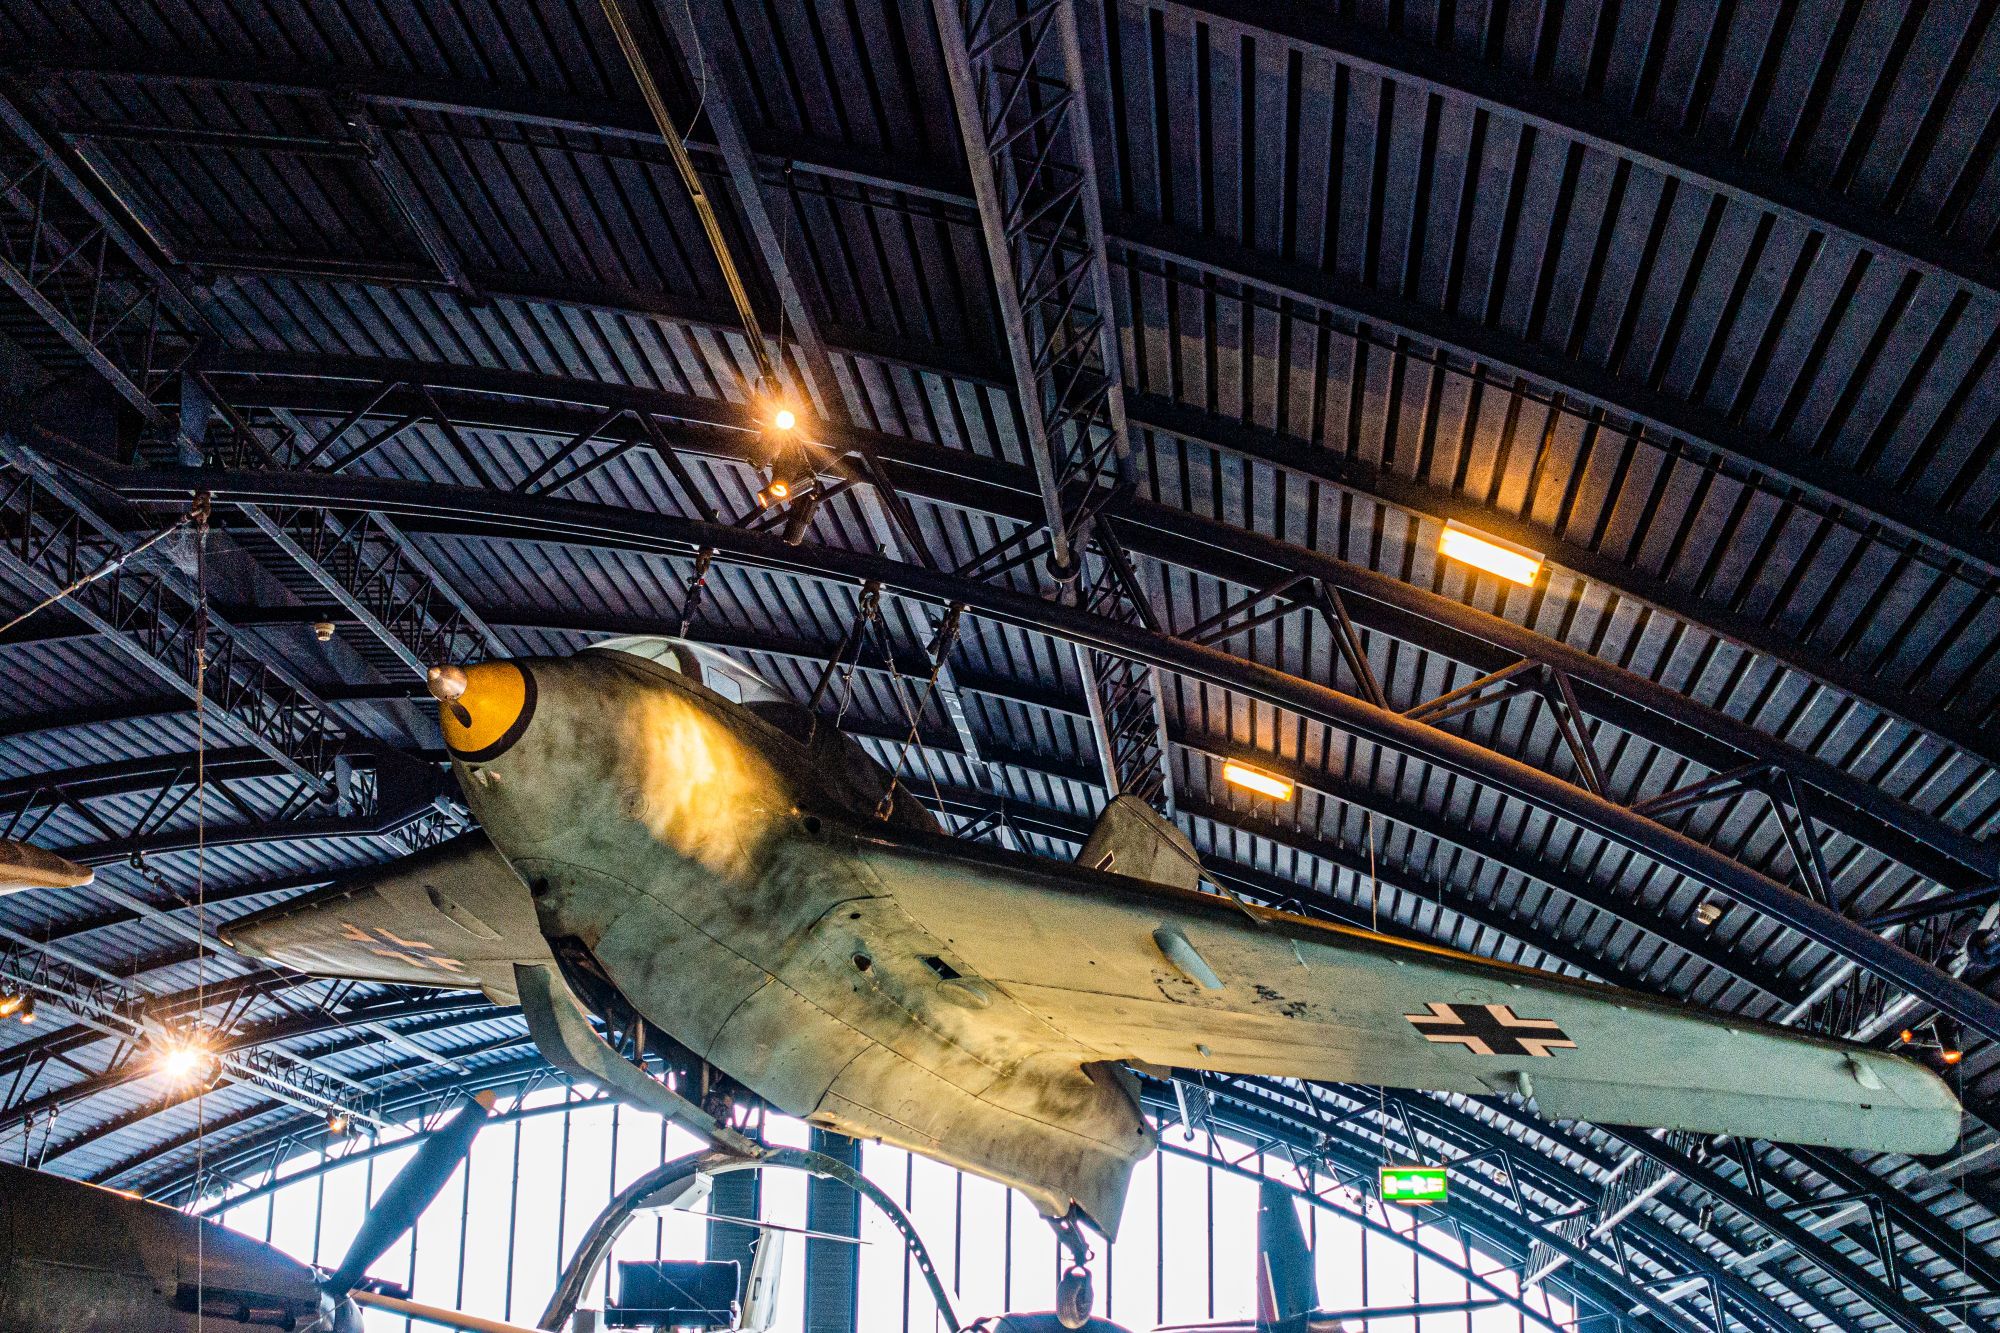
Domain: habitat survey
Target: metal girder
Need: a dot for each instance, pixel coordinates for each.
(377, 794)
(131, 1064)
(263, 1043)
(1017, 81)
(158, 620)
(1496, 351)
(113, 1007)
(919, 183)
(1635, 409)
(881, 507)
(1670, 1228)
(70, 262)
(398, 1099)
(1771, 1217)
(454, 508)
(1878, 1294)
(1359, 1131)
(366, 564)
(1377, 602)
(1442, 71)
(98, 288)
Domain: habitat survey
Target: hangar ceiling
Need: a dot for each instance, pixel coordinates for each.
(1699, 303)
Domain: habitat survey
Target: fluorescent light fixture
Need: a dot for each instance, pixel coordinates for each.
(1517, 564)
(1255, 779)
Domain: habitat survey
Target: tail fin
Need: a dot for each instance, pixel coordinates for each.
(1131, 838)
(1287, 1289)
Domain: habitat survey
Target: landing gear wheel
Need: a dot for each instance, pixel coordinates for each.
(1075, 1295)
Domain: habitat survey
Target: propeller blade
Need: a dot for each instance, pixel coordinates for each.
(431, 1314)
(410, 1193)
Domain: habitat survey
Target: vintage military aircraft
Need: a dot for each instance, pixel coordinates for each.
(670, 842)
(75, 1258)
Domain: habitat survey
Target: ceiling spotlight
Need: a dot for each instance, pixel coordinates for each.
(1517, 564)
(184, 1060)
(776, 493)
(1708, 913)
(10, 1003)
(783, 419)
(1257, 780)
(26, 1013)
(800, 519)
(1951, 1055)
(337, 1124)
(1906, 1036)
(323, 630)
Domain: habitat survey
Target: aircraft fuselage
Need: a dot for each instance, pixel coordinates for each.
(708, 864)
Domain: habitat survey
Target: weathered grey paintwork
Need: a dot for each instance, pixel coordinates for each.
(735, 885)
(78, 1259)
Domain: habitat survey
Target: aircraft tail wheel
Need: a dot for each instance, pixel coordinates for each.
(1075, 1295)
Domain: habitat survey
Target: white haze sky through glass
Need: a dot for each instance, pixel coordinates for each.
(1185, 1252)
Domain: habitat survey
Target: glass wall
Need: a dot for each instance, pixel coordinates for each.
(495, 1239)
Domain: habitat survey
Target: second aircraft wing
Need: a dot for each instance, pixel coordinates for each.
(1138, 971)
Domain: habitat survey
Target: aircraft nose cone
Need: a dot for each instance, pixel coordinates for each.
(482, 709)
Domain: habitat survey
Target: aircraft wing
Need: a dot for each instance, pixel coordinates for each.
(1136, 971)
(454, 916)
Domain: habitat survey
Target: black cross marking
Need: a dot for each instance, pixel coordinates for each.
(1491, 1029)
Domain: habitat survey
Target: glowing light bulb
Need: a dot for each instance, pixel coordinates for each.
(783, 419)
(184, 1061)
(1257, 780)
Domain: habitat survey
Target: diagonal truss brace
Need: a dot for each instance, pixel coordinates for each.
(157, 620)
(1016, 74)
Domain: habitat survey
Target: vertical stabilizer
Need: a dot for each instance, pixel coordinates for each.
(1286, 1287)
(1132, 838)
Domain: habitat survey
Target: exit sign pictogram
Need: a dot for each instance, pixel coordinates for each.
(1412, 1184)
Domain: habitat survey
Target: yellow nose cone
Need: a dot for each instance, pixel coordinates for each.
(483, 709)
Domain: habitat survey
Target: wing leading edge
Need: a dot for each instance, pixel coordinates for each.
(1137, 971)
(454, 916)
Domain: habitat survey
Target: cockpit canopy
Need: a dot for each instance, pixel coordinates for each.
(701, 664)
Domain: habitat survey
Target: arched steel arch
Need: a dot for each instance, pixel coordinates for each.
(1484, 643)
(544, 519)
(1496, 1223)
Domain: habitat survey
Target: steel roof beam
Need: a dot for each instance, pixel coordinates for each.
(137, 1065)
(1658, 416)
(473, 511)
(1888, 1303)
(887, 518)
(1499, 1118)
(1380, 602)
(1017, 84)
(1151, 412)
(1368, 1136)
(147, 337)
(1488, 87)
(1167, 244)
(452, 1012)
(431, 1092)
(159, 620)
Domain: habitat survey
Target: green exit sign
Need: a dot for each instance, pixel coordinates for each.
(1412, 1184)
